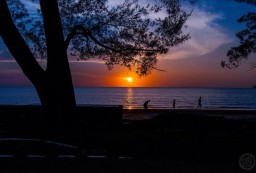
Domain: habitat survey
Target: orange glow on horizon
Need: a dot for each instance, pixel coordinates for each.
(121, 78)
(179, 73)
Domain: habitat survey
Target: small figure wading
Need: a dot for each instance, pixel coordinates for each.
(146, 104)
(199, 104)
(173, 103)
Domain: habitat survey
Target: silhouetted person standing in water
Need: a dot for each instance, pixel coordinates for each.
(173, 103)
(199, 104)
(146, 104)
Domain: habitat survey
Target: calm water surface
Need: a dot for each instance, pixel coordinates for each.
(186, 98)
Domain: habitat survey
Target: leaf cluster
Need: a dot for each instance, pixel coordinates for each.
(247, 39)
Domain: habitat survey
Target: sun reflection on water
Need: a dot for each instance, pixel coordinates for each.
(129, 99)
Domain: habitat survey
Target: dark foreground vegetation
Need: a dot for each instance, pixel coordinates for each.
(100, 140)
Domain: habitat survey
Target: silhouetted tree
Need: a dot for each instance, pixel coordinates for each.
(247, 39)
(126, 33)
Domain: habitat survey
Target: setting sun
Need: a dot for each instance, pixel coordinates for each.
(129, 79)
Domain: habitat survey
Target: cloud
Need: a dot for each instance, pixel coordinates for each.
(5, 55)
(31, 5)
(206, 35)
(203, 26)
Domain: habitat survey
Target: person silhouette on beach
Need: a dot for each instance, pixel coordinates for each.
(146, 104)
(199, 104)
(173, 103)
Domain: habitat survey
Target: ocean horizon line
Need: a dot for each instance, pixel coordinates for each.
(174, 87)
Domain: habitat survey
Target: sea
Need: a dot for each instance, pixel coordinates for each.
(133, 98)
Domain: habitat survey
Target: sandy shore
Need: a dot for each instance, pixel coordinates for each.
(156, 140)
(239, 114)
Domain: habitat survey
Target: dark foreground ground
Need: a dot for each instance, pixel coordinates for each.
(169, 141)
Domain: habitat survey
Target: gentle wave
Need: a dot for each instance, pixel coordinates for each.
(133, 98)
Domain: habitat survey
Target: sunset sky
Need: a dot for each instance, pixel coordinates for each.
(196, 63)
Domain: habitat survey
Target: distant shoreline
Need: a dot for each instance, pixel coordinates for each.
(239, 114)
(191, 109)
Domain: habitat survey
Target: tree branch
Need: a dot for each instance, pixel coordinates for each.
(80, 30)
(17, 46)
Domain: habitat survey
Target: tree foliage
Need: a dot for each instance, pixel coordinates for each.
(247, 38)
(127, 33)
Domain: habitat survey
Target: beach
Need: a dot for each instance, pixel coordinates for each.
(239, 114)
(153, 140)
(184, 140)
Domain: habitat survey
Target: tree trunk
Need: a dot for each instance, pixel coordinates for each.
(54, 86)
(58, 71)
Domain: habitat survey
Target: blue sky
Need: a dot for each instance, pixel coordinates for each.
(212, 26)
(229, 9)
